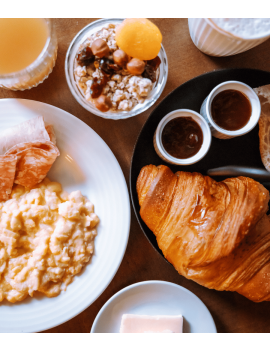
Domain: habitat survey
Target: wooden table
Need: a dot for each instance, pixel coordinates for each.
(231, 311)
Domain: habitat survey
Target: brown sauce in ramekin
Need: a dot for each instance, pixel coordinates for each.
(182, 137)
(231, 109)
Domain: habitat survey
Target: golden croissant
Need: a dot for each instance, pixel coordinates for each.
(215, 233)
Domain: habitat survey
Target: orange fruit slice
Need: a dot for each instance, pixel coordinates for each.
(139, 38)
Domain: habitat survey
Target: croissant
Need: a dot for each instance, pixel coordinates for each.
(215, 233)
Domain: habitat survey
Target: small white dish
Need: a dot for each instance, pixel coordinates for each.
(154, 298)
(207, 138)
(219, 132)
(86, 163)
(158, 86)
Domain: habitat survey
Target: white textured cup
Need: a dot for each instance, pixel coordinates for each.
(207, 138)
(214, 41)
(219, 132)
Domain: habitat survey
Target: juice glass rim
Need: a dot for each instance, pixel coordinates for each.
(37, 61)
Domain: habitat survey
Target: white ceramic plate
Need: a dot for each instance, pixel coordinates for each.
(87, 164)
(155, 298)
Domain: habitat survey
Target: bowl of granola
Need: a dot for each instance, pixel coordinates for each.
(100, 80)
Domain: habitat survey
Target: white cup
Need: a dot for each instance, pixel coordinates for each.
(214, 41)
(207, 138)
(219, 132)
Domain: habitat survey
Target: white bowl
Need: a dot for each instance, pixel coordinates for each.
(91, 28)
(160, 150)
(155, 297)
(219, 132)
(214, 41)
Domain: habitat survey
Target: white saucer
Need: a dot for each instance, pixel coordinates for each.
(155, 298)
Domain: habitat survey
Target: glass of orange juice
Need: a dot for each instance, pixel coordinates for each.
(28, 51)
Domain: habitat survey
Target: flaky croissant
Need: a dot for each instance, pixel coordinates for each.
(215, 233)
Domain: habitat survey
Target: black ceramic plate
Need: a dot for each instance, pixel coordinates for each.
(242, 151)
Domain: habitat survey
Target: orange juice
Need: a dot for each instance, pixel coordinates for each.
(21, 42)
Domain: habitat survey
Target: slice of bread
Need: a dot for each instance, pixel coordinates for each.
(264, 124)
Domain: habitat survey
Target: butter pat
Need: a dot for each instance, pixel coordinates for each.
(132, 323)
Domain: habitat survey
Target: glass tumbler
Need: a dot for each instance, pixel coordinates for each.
(36, 72)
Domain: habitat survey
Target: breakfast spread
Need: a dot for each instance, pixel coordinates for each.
(46, 238)
(112, 77)
(231, 109)
(182, 137)
(26, 154)
(132, 323)
(215, 233)
(264, 124)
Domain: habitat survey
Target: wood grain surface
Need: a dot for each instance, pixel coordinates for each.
(231, 311)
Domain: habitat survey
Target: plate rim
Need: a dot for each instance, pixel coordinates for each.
(127, 198)
(147, 282)
(145, 124)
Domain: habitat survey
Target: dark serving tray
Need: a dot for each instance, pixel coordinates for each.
(241, 151)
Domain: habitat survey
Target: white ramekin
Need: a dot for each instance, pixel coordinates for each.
(214, 41)
(207, 138)
(219, 132)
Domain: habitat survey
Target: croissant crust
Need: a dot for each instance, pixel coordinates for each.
(215, 233)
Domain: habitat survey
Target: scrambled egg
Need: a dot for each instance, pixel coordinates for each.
(46, 237)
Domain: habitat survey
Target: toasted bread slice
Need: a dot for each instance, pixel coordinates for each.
(264, 124)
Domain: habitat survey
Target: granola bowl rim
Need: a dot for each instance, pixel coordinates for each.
(79, 38)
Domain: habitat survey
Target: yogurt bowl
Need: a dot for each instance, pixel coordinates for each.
(214, 40)
(70, 66)
(206, 142)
